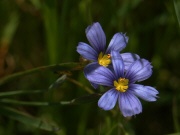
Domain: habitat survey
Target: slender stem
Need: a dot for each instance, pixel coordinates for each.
(176, 4)
(81, 85)
(10, 101)
(56, 67)
(19, 92)
(175, 114)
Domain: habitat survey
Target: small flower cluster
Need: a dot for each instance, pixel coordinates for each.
(117, 71)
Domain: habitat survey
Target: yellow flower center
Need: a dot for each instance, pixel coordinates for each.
(104, 60)
(121, 85)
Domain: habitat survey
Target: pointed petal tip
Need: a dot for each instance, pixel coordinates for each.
(147, 93)
(126, 38)
(131, 114)
(117, 43)
(89, 27)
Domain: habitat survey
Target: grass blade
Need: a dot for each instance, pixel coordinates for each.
(20, 92)
(64, 67)
(27, 119)
(34, 103)
(58, 82)
(81, 100)
(177, 10)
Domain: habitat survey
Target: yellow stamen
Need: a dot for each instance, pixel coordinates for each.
(108, 56)
(104, 60)
(121, 85)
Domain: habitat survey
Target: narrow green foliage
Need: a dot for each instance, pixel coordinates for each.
(10, 29)
(81, 100)
(175, 115)
(20, 92)
(177, 10)
(174, 133)
(51, 26)
(34, 103)
(62, 68)
(58, 82)
(43, 32)
(27, 119)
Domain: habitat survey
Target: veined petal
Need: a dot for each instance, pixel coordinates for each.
(108, 100)
(117, 43)
(129, 58)
(147, 93)
(129, 104)
(118, 64)
(87, 51)
(99, 75)
(139, 70)
(90, 68)
(96, 37)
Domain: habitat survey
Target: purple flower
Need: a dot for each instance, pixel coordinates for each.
(122, 84)
(97, 52)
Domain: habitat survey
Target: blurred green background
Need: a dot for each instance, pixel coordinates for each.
(35, 33)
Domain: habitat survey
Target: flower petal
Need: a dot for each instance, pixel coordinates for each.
(118, 64)
(139, 70)
(96, 37)
(99, 75)
(129, 104)
(87, 70)
(87, 51)
(117, 43)
(129, 58)
(147, 93)
(108, 100)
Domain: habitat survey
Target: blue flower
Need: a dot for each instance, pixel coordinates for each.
(97, 52)
(122, 84)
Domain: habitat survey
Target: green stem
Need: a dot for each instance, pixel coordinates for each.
(81, 85)
(176, 4)
(19, 92)
(64, 67)
(10, 101)
(175, 115)
(28, 119)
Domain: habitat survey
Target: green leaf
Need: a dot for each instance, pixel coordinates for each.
(81, 100)
(51, 25)
(177, 10)
(20, 92)
(10, 29)
(58, 82)
(27, 119)
(61, 68)
(174, 133)
(34, 103)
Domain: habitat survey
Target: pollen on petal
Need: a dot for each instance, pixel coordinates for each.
(109, 56)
